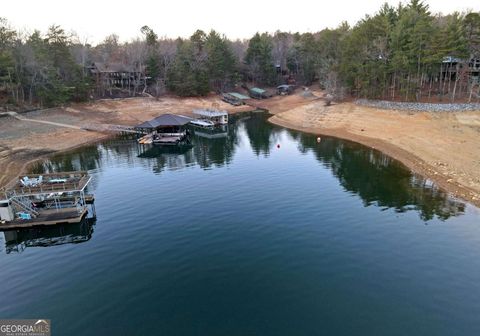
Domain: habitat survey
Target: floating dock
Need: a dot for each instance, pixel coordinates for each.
(46, 199)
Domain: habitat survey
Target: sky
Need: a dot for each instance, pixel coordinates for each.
(93, 20)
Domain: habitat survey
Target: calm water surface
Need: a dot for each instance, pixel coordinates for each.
(239, 237)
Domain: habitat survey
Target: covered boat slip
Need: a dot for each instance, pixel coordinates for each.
(215, 116)
(167, 129)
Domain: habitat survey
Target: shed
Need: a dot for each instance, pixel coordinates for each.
(238, 95)
(234, 98)
(285, 89)
(258, 93)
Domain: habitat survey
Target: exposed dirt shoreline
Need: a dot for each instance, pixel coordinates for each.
(24, 142)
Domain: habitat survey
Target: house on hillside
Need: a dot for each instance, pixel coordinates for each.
(453, 66)
(109, 76)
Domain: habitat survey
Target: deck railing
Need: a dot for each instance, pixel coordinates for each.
(73, 181)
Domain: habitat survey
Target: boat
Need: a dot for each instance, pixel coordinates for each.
(202, 123)
(168, 139)
(215, 116)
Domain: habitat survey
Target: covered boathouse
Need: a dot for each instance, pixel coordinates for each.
(167, 129)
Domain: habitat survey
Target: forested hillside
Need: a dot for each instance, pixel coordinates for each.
(402, 53)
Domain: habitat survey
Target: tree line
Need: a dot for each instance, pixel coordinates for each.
(401, 52)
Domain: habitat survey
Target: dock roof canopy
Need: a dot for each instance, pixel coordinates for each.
(210, 113)
(258, 90)
(165, 120)
(238, 95)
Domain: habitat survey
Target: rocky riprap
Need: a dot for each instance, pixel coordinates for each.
(419, 107)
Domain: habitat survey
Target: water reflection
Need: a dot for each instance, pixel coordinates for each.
(16, 241)
(261, 134)
(375, 177)
(172, 157)
(379, 179)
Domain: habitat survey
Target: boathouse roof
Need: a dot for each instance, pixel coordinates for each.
(210, 113)
(165, 120)
(238, 95)
(258, 90)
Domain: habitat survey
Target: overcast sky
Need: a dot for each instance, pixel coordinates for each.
(95, 19)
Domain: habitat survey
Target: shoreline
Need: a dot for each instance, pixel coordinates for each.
(433, 155)
(408, 159)
(26, 165)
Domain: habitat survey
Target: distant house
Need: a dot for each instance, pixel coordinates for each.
(453, 65)
(109, 76)
(258, 93)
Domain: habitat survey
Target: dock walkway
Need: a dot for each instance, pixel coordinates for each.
(47, 217)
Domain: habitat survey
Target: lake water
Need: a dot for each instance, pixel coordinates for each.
(239, 236)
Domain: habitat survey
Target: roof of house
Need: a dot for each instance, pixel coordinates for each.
(210, 113)
(451, 59)
(258, 90)
(115, 67)
(238, 95)
(165, 120)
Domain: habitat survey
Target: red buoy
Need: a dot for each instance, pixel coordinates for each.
(278, 146)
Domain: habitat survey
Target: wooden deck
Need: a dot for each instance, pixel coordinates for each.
(47, 217)
(74, 181)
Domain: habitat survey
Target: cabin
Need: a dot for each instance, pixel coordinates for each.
(215, 116)
(451, 66)
(234, 98)
(258, 93)
(285, 89)
(116, 75)
(167, 129)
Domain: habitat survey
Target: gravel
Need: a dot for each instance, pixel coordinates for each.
(418, 107)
